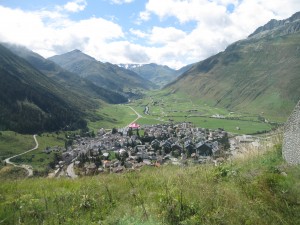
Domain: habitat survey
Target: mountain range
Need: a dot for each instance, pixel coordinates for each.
(69, 80)
(105, 75)
(158, 74)
(260, 74)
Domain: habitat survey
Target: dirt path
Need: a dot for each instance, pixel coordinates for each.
(26, 167)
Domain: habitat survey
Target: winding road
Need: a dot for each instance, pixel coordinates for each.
(26, 167)
(70, 170)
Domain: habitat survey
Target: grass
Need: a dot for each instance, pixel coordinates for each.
(38, 159)
(250, 190)
(11, 172)
(12, 143)
(246, 127)
(179, 107)
(112, 116)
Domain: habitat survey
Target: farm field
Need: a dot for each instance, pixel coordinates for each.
(163, 108)
(112, 116)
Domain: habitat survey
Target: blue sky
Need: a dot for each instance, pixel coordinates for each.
(168, 32)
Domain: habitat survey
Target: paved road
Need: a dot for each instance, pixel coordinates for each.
(137, 114)
(70, 171)
(26, 167)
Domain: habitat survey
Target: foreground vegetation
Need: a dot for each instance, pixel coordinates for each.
(258, 189)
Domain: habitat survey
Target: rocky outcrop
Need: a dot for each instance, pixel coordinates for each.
(278, 27)
(291, 142)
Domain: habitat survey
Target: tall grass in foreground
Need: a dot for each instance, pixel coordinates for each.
(259, 189)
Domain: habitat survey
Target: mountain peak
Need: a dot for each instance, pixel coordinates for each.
(280, 27)
(71, 57)
(76, 51)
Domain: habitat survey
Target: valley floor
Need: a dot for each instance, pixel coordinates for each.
(160, 107)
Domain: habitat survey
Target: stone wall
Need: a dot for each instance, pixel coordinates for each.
(291, 141)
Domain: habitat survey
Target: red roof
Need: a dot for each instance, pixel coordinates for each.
(134, 125)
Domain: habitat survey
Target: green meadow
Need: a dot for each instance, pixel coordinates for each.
(38, 159)
(164, 107)
(12, 143)
(111, 116)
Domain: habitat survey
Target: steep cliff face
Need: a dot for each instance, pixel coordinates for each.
(291, 142)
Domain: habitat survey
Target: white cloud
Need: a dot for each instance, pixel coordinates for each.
(48, 36)
(216, 26)
(75, 6)
(54, 32)
(138, 33)
(186, 10)
(119, 2)
(161, 35)
(144, 16)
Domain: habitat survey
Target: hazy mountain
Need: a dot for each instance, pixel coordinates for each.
(158, 74)
(102, 74)
(32, 102)
(258, 74)
(69, 80)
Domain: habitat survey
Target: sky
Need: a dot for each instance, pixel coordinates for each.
(166, 32)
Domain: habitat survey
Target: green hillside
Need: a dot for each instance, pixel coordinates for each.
(31, 102)
(69, 80)
(260, 74)
(258, 189)
(102, 74)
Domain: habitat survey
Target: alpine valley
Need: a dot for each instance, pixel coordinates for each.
(90, 142)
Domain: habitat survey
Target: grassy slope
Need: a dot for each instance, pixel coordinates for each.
(254, 75)
(112, 116)
(38, 159)
(248, 191)
(12, 143)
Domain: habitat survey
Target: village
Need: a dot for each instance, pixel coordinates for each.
(130, 148)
